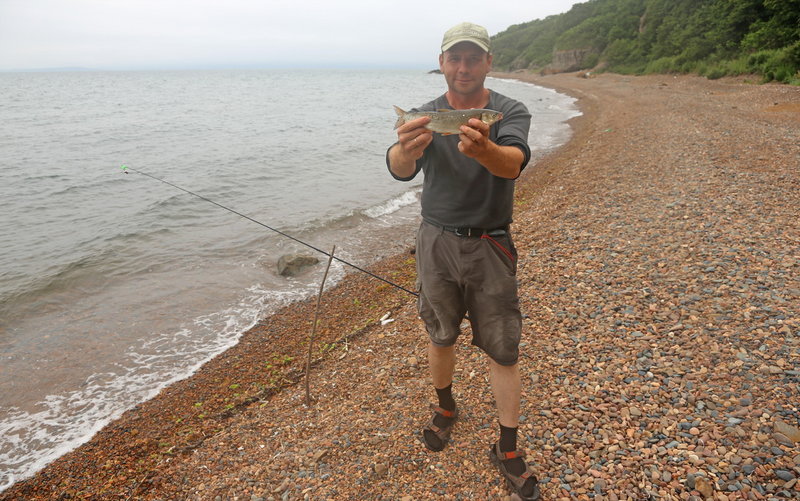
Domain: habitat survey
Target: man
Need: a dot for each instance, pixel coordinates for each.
(466, 261)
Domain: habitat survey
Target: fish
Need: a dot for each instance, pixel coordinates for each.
(447, 122)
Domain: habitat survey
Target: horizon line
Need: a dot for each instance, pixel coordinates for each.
(208, 67)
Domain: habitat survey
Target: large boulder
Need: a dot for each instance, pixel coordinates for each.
(290, 265)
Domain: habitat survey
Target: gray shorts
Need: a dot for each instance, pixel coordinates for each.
(476, 275)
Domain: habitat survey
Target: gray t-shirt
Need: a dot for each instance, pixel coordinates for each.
(457, 190)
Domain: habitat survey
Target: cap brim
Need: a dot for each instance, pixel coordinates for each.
(449, 45)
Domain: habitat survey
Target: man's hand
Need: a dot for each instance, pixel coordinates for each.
(474, 138)
(502, 161)
(412, 139)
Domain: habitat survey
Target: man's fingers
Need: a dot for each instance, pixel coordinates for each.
(420, 140)
(415, 141)
(474, 137)
(417, 123)
(413, 135)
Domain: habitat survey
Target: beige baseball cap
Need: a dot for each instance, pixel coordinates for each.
(466, 32)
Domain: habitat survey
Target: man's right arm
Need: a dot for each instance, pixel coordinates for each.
(412, 139)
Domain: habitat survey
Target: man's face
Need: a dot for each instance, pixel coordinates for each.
(465, 66)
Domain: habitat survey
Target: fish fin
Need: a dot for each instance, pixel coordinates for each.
(400, 116)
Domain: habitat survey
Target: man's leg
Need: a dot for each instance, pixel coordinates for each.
(442, 362)
(506, 387)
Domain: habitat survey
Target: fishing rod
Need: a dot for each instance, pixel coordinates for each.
(127, 169)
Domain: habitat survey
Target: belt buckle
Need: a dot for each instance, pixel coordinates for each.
(467, 232)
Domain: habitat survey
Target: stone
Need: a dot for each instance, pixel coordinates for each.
(789, 431)
(381, 469)
(783, 439)
(291, 265)
(600, 485)
(704, 487)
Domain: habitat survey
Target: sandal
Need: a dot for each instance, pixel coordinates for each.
(442, 433)
(515, 482)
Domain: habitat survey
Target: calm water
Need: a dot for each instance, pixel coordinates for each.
(113, 285)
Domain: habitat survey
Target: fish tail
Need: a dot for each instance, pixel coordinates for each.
(400, 117)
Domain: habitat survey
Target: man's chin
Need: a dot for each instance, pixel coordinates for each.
(466, 87)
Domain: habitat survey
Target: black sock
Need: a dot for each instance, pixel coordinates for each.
(508, 443)
(508, 439)
(446, 402)
(446, 397)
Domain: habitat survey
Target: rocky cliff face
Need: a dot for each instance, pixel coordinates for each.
(568, 60)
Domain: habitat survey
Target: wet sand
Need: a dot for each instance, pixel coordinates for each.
(659, 265)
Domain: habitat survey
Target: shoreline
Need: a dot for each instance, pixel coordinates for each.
(376, 237)
(573, 206)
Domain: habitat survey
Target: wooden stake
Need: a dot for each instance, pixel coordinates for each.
(314, 328)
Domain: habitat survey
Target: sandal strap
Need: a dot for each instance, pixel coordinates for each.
(507, 456)
(444, 412)
(520, 480)
(517, 481)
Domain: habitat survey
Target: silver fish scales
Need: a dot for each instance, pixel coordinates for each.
(447, 121)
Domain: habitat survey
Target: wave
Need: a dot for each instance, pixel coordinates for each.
(104, 258)
(29, 440)
(393, 205)
(31, 294)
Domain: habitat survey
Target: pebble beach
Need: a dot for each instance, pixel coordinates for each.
(659, 270)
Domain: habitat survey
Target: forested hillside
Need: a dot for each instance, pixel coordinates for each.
(710, 37)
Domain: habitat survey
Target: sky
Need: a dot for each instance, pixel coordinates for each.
(183, 34)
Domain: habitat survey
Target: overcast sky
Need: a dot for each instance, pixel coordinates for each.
(155, 34)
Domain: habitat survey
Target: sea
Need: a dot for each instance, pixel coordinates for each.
(114, 285)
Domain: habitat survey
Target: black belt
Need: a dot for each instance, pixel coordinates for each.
(476, 232)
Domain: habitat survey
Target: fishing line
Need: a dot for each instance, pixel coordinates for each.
(127, 169)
